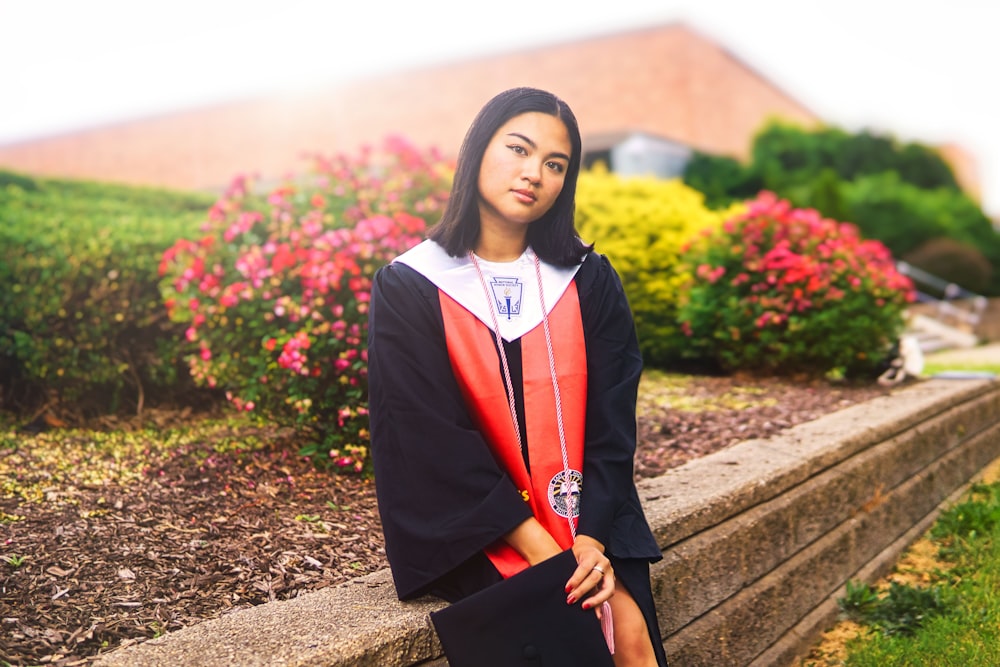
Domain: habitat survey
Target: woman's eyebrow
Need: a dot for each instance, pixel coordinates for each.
(533, 145)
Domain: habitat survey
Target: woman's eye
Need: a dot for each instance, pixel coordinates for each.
(517, 149)
(556, 167)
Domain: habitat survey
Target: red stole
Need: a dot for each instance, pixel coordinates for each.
(471, 347)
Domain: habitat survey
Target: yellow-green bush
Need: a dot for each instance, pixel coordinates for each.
(642, 225)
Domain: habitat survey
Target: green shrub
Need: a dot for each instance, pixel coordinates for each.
(955, 262)
(641, 224)
(723, 180)
(786, 155)
(81, 321)
(274, 296)
(25, 183)
(783, 290)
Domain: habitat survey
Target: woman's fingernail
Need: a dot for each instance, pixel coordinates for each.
(570, 599)
(586, 605)
(569, 587)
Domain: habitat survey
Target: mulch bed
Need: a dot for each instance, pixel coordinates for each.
(105, 546)
(728, 410)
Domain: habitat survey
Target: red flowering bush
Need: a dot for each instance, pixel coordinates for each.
(275, 295)
(784, 290)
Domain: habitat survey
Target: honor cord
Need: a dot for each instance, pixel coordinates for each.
(509, 384)
(607, 624)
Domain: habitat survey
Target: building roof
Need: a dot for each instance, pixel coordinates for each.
(667, 80)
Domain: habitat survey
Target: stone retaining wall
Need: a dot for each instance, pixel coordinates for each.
(758, 541)
(989, 326)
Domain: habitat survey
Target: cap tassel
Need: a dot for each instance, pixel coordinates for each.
(608, 626)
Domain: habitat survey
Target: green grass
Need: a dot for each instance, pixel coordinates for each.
(953, 621)
(935, 367)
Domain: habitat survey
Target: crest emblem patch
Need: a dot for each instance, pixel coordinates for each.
(564, 492)
(507, 294)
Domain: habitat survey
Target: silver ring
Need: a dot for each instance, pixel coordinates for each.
(598, 568)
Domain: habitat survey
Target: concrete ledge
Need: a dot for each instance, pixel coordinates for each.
(356, 623)
(758, 540)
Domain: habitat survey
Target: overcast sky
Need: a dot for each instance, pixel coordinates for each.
(920, 70)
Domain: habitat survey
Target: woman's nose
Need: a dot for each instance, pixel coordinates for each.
(531, 171)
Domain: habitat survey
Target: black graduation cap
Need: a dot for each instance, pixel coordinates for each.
(523, 620)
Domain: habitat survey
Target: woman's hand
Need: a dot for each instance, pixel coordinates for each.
(593, 574)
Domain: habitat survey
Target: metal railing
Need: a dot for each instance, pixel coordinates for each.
(952, 302)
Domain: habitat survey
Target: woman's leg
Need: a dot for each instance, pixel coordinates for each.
(633, 646)
(638, 613)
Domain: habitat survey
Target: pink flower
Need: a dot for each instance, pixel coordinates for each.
(740, 279)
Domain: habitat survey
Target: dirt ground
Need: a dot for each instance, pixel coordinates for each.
(117, 534)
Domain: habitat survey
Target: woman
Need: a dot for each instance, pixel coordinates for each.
(503, 369)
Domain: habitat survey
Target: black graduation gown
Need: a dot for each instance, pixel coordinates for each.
(442, 496)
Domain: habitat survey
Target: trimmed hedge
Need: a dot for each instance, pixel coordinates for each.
(81, 320)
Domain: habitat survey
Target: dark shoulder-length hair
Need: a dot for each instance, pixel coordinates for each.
(553, 237)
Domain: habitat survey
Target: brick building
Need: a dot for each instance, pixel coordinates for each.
(666, 86)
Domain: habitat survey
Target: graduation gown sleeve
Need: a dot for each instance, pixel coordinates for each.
(442, 496)
(610, 509)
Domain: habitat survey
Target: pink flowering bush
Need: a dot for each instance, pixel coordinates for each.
(786, 291)
(275, 294)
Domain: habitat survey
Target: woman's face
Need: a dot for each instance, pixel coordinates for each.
(523, 170)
